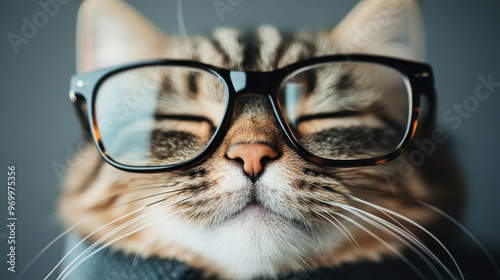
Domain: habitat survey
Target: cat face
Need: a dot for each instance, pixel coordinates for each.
(254, 207)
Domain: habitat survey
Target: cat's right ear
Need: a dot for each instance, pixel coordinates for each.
(110, 32)
(393, 28)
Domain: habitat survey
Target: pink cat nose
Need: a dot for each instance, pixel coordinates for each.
(253, 157)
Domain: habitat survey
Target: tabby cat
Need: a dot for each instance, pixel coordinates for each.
(257, 206)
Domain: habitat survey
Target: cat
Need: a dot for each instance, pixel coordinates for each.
(264, 240)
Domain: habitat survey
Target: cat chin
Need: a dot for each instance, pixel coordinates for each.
(253, 243)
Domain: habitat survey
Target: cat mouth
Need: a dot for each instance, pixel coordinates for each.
(254, 205)
(255, 209)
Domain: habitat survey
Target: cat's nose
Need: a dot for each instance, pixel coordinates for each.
(253, 157)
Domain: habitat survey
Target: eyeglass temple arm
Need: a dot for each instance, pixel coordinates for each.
(80, 107)
(429, 91)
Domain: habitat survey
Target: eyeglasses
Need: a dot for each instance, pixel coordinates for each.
(339, 110)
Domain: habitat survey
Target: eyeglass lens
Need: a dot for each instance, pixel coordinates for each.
(347, 110)
(162, 115)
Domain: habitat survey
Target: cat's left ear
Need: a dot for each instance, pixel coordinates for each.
(383, 27)
(110, 32)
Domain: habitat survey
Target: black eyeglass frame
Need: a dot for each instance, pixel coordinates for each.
(84, 88)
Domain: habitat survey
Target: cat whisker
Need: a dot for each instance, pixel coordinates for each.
(116, 229)
(362, 187)
(97, 230)
(160, 233)
(386, 226)
(187, 223)
(294, 250)
(61, 235)
(354, 177)
(398, 224)
(313, 233)
(342, 229)
(349, 183)
(72, 266)
(149, 186)
(370, 189)
(439, 212)
(155, 194)
(401, 235)
(464, 230)
(401, 226)
(382, 241)
(140, 218)
(406, 219)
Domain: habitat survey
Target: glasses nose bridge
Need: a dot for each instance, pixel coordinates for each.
(247, 83)
(252, 82)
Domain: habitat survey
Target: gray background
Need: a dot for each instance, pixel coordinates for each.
(38, 127)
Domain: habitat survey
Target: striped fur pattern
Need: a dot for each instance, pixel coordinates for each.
(306, 216)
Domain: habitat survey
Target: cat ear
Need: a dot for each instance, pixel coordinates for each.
(110, 32)
(392, 28)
